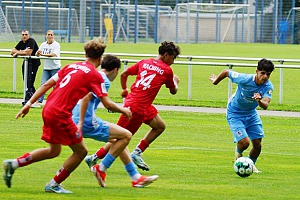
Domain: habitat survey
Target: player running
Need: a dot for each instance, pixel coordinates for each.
(253, 90)
(150, 74)
(97, 129)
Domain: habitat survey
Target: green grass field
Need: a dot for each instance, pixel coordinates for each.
(203, 92)
(193, 157)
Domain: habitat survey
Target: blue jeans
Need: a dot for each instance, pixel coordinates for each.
(47, 74)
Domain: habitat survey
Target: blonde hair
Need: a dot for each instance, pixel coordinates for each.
(94, 48)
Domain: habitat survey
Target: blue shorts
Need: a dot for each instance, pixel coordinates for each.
(99, 132)
(242, 126)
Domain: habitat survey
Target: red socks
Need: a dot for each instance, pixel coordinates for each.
(24, 160)
(143, 145)
(101, 153)
(61, 175)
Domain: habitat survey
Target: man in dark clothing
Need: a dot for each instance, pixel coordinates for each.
(28, 47)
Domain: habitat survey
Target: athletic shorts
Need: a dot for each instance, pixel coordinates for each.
(137, 119)
(243, 126)
(100, 132)
(60, 131)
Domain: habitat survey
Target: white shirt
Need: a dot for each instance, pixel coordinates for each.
(48, 49)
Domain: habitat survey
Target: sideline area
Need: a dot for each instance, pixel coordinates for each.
(191, 109)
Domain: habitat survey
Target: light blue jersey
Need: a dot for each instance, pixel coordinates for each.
(93, 126)
(241, 101)
(242, 116)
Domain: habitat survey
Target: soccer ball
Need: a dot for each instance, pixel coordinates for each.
(243, 166)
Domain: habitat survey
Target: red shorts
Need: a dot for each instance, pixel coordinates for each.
(137, 119)
(60, 131)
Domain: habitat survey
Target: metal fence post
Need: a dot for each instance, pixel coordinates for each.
(190, 80)
(281, 83)
(25, 75)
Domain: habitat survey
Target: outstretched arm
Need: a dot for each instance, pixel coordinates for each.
(216, 79)
(42, 90)
(110, 105)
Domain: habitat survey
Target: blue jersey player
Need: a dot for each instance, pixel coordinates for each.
(95, 128)
(253, 90)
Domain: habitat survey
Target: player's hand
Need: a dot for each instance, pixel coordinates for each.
(127, 113)
(256, 96)
(212, 78)
(176, 78)
(124, 93)
(15, 55)
(23, 111)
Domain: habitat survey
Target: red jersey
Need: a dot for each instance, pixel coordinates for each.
(151, 75)
(74, 82)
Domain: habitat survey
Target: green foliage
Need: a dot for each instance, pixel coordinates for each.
(193, 158)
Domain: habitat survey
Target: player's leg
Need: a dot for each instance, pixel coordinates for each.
(240, 135)
(256, 133)
(37, 155)
(137, 179)
(120, 138)
(79, 152)
(91, 160)
(157, 127)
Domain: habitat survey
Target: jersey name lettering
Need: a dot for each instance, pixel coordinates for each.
(80, 67)
(153, 68)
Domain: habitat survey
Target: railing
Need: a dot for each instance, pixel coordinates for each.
(189, 63)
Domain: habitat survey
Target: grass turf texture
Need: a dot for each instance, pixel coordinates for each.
(203, 92)
(193, 157)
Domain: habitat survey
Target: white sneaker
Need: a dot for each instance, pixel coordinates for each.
(255, 170)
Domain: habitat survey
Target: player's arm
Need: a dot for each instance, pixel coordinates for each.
(42, 90)
(176, 82)
(124, 75)
(83, 107)
(262, 102)
(216, 79)
(110, 105)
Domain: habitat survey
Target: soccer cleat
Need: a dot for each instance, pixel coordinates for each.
(8, 171)
(144, 181)
(139, 162)
(56, 189)
(100, 175)
(89, 161)
(255, 170)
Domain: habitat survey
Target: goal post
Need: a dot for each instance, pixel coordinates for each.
(34, 19)
(6, 34)
(202, 22)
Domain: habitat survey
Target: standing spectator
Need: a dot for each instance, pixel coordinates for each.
(50, 48)
(97, 129)
(109, 28)
(28, 47)
(72, 83)
(253, 90)
(150, 74)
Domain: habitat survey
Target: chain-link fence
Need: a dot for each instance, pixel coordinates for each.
(182, 21)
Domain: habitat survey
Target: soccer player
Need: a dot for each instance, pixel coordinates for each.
(150, 74)
(95, 128)
(253, 90)
(71, 83)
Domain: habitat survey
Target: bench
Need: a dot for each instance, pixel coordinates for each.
(61, 33)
